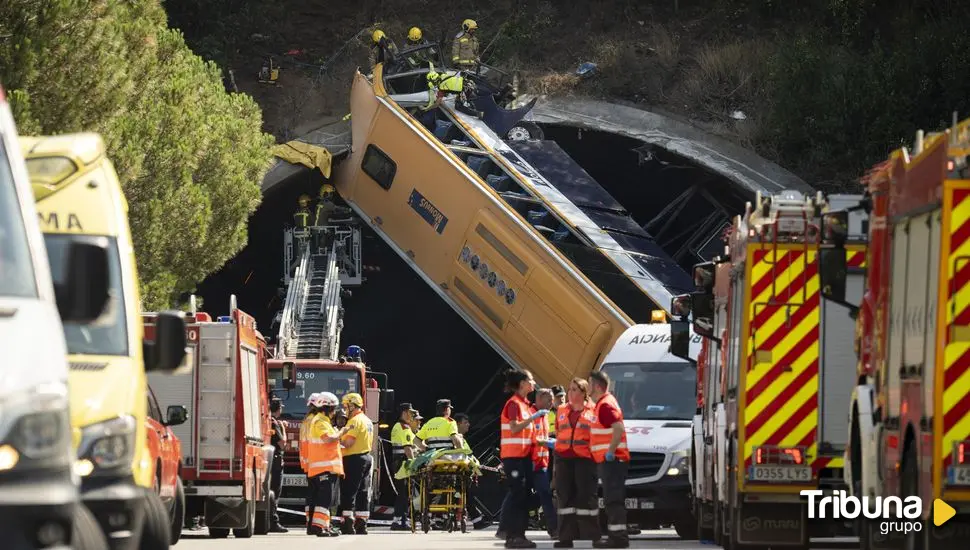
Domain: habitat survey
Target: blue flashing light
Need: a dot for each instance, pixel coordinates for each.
(354, 352)
(223, 319)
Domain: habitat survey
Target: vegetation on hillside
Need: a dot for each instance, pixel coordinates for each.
(827, 87)
(189, 155)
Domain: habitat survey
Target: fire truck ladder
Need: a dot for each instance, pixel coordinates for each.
(318, 332)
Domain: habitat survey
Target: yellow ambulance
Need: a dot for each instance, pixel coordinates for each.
(79, 200)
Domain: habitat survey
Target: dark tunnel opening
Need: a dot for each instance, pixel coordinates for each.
(428, 351)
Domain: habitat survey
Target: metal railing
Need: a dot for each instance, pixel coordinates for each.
(293, 308)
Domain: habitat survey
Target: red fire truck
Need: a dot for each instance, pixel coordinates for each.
(910, 412)
(226, 443)
(318, 375)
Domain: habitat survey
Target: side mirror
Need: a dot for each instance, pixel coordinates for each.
(680, 339)
(177, 414)
(83, 293)
(703, 310)
(167, 351)
(289, 375)
(835, 228)
(681, 305)
(832, 272)
(387, 401)
(704, 277)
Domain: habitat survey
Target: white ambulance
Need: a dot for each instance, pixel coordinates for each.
(657, 393)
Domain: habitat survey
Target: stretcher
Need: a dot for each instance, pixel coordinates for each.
(441, 480)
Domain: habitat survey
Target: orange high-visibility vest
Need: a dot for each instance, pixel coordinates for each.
(600, 435)
(303, 440)
(540, 453)
(516, 445)
(577, 438)
(323, 457)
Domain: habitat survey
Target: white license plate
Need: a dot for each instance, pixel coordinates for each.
(780, 474)
(646, 504)
(633, 504)
(959, 475)
(294, 481)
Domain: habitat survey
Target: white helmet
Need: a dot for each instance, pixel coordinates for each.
(311, 401)
(328, 399)
(318, 400)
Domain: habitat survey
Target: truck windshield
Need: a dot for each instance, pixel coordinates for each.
(310, 381)
(654, 391)
(108, 334)
(16, 269)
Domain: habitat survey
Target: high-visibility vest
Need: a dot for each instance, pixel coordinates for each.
(437, 432)
(516, 445)
(600, 436)
(540, 453)
(304, 439)
(577, 438)
(401, 438)
(551, 417)
(323, 457)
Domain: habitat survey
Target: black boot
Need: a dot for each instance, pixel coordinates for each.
(611, 543)
(360, 526)
(277, 528)
(347, 526)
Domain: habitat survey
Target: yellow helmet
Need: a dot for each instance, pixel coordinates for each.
(326, 188)
(304, 200)
(469, 25)
(414, 34)
(353, 399)
(376, 37)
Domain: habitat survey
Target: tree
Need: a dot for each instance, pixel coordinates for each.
(189, 155)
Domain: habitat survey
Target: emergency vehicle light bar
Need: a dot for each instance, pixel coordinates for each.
(770, 454)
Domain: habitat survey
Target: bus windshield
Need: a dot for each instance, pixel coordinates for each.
(654, 391)
(310, 381)
(108, 334)
(16, 267)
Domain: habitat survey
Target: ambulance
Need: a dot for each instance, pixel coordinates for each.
(657, 394)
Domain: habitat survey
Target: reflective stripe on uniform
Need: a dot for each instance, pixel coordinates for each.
(589, 512)
(566, 511)
(616, 527)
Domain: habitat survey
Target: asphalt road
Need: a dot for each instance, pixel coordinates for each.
(382, 538)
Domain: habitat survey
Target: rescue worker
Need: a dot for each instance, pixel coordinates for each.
(450, 82)
(612, 456)
(558, 400)
(324, 463)
(383, 49)
(278, 441)
(575, 470)
(441, 432)
(402, 444)
(419, 58)
(540, 460)
(471, 507)
(416, 421)
(301, 217)
(464, 49)
(357, 440)
(304, 442)
(517, 440)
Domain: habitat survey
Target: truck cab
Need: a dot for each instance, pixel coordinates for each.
(39, 499)
(80, 202)
(657, 394)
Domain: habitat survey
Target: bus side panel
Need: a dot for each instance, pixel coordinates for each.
(781, 359)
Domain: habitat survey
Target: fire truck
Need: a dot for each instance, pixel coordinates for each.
(910, 409)
(775, 377)
(226, 444)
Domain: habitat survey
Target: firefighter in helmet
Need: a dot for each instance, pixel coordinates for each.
(302, 216)
(464, 49)
(420, 58)
(383, 49)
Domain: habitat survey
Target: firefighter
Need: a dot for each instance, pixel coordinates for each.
(278, 440)
(540, 460)
(464, 49)
(575, 470)
(357, 440)
(304, 442)
(419, 58)
(302, 216)
(477, 518)
(383, 49)
(324, 462)
(517, 439)
(612, 456)
(453, 83)
(441, 432)
(402, 443)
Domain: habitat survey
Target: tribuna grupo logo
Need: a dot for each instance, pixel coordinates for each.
(895, 514)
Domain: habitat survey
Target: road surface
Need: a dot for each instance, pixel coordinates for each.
(382, 538)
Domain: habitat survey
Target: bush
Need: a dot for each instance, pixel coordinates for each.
(189, 155)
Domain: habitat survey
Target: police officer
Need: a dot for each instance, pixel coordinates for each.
(441, 432)
(402, 444)
(358, 440)
(464, 49)
(278, 440)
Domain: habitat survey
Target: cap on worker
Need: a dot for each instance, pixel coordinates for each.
(417, 415)
(275, 404)
(444, 402)
(376, 37)
(469, 25)
(353, 399)
(414, 34)
(406, 407)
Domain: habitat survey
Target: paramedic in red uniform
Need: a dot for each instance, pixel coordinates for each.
(612, 457)
(575, 469)
(517, 438)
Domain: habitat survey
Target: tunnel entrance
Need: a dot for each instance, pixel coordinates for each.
(428, 351)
